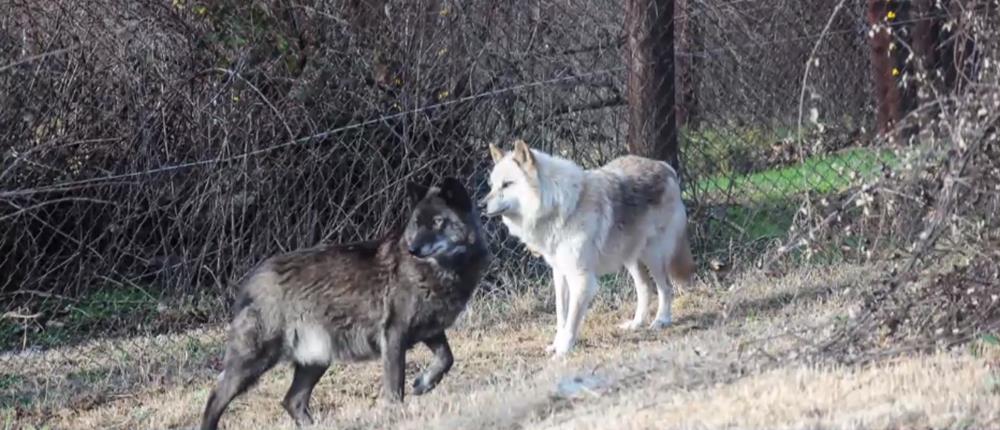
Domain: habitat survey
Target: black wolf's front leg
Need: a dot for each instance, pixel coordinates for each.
(393, 364)
(441, 364)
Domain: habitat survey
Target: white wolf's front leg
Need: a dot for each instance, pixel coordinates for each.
(582, 288)
(562, 297)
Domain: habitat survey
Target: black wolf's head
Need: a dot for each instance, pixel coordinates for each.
(443, 225)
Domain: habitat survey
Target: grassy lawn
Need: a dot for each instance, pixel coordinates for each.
(754, 208)
(735, 356)
(819, 175)
(108, 311)
(96, 311)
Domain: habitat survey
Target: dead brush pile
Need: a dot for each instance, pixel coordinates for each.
(937, 216)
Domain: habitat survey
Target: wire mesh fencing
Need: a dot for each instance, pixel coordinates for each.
(153, 152)
(774, 101)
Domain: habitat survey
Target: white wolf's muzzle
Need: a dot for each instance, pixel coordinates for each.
(492, 207)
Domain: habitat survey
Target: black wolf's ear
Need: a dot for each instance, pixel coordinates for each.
(415, 192)
(455, 194)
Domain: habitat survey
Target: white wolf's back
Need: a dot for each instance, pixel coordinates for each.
(640, 197)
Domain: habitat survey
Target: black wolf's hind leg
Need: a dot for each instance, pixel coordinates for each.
(241, 372)
(296, 401)
(438, 368)
(393, 366)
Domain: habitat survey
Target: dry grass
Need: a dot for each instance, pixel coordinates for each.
(941, 391)
(730, 361)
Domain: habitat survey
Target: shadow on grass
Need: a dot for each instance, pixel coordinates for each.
(750, 308)
(35, 396)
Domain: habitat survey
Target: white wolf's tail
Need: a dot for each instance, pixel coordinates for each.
(681, 266)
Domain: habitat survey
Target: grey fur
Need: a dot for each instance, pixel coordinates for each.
(641, 184)
(357, 302)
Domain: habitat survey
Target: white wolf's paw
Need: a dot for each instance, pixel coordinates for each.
(562, 345)
(660, 323)
(552, 347)
(630, 325)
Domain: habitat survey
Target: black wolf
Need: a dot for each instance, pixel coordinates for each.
(358, 302)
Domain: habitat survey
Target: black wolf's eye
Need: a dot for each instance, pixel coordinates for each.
(506, 184)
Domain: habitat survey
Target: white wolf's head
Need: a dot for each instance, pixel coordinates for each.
(514, 187)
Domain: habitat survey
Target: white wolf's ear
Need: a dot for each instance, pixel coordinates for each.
(496, 153)
(523, 156)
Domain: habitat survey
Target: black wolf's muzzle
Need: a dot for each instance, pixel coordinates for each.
(424, 249)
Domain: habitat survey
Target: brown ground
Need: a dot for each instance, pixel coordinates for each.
(730, 361)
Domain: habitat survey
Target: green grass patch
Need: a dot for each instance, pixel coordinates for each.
(7, 417)
(763, 222)
(11, 391)
(89, 377)
(104, 311)
(750, 228)
(9, 334)
(202, 349)
(111, 304)
(727, 150)
(9, 381)
(819, 175)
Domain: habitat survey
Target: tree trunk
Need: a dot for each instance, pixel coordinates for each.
(652, 130)
(686, 83)
(888, 40)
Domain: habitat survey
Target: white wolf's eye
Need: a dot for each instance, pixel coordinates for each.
(506, 184)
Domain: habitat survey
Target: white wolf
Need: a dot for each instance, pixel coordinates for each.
(587, 223)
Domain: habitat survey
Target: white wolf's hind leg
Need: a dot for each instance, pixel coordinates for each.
(582, 289)
(642, 291)
(664, 296)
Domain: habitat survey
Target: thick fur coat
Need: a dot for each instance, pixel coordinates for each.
(586, 223)
(357, 302)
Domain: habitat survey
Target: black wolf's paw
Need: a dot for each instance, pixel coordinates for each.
(421, 385)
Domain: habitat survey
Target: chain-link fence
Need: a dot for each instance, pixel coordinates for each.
(776, 102)
(154, 151)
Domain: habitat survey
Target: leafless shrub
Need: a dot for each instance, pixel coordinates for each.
(935, 213)
(152, 152)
